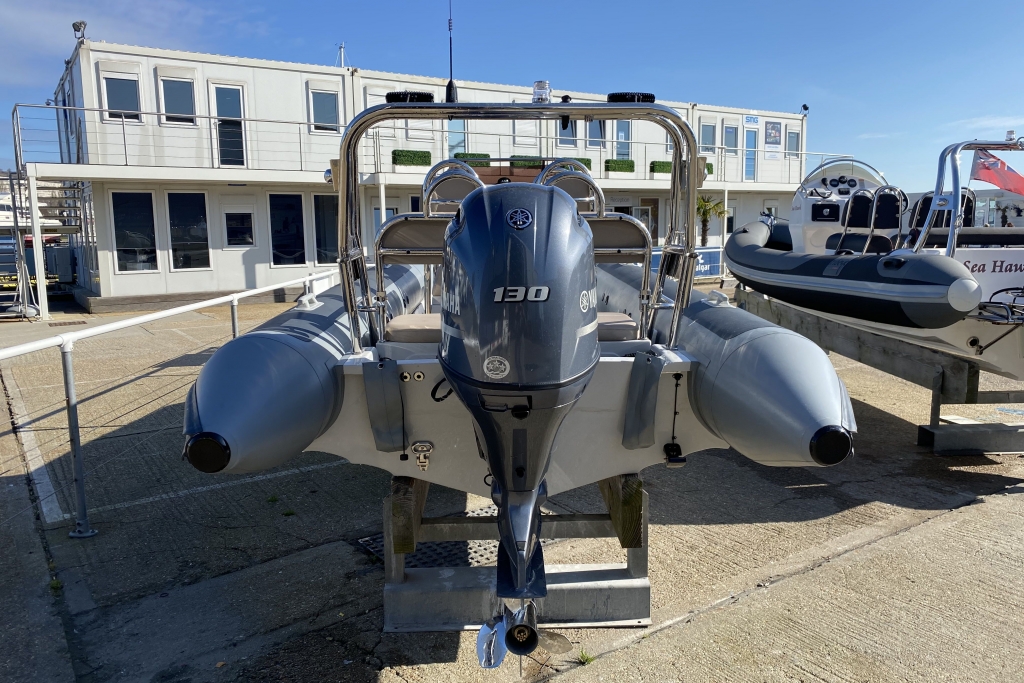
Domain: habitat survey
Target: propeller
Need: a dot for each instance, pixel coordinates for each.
(516, 632)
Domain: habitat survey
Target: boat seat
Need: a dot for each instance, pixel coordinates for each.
(880, 244)
(425, 328)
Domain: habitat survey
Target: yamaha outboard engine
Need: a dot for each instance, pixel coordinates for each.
(518, 346)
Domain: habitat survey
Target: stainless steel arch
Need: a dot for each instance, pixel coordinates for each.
(685, 181)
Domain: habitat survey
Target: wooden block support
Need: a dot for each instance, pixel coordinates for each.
(408, 497)
(623, 494)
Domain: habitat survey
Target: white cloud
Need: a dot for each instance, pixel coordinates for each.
(37, 35)
(877, 136)
(988, 123)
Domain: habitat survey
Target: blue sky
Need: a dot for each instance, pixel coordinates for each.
(889, 82)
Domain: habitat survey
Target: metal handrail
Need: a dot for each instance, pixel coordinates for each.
(951, 201)
(904, 203)
(682, 225)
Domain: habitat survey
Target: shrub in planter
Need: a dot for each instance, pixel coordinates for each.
(467, 156)
(527, 161)
(661, 167)
(586, 162)
(410, 157)
(619, 165)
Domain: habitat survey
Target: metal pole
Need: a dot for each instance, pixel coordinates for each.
(82, 528)
(234, 317)
(38, 254)
(124, 140)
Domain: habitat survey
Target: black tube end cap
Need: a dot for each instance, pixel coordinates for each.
(831, 445)
(643, 97)
(208, 452)
(409, 96)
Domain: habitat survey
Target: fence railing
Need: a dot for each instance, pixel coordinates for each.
(66, 343)
(83, 135)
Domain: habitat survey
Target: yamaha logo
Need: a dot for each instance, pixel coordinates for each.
(519, 218)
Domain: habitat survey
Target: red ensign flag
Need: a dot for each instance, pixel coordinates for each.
(994, 170)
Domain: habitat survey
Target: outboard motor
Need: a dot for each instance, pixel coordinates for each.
(518, 346)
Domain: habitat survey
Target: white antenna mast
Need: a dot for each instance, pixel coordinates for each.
(341, 56)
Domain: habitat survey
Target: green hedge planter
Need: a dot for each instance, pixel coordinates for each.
(666, 167)
(466, 156)
(586, 162)
(410, 157)
(527, 161)
(619, 165)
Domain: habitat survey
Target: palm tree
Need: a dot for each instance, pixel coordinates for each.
(708, 207)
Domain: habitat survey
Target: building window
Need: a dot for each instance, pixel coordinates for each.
(386, 129)
(414, 203)
(731, 139)
(730, 220)
(595, 134)
(325, 111)
(179, 102)
(750, 155)
(622, 139)
(567, 136)
(419, 129)
(792, 143)
(707, 138)
(389, 213)
(238, 225)
(229, 125)
(456, 137)
(669, 145)
(134, 231)
(122, 98)
(190, 245)
(325, 224)
(287, 236)
(525, 132)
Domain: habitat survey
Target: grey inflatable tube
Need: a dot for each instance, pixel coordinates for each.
(899, 288)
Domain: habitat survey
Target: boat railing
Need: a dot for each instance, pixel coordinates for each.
(903, 204)
(949, 202)
(66, 343)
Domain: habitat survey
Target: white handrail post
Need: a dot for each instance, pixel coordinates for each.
(234, 317)
(82, 528)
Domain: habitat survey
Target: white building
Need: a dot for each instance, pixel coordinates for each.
(201, 174)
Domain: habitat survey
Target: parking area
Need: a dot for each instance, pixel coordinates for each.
(895, 565)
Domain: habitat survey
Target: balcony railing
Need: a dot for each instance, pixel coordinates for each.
(82, 135)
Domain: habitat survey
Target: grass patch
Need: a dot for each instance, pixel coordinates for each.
(273, 499)
(56, 585)
(288, 513)
(620, 165)
(584, 658)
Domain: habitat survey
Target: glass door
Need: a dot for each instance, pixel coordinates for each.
(750, 154)
(230, 138)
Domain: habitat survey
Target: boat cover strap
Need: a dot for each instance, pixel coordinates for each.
(642, 400)
(384, 404)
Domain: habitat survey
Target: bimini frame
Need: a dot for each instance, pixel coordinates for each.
(686, 179)
(943, 201)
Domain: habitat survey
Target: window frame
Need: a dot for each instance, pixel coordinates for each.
(170, 239)
(324, 128)
(526, 138)
(316, 250)
(383, 132)
(215, 117)
(165, 117)
(113, 230)
(117, 119)
(627, 142)
(448, 133)
(573, 129)
(250, 209)
(704, 147)
(602, 141)
(750, 153)
(736, 127)
(793, 154)
(270, 231)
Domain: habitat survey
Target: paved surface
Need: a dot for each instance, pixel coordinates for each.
(894, 566)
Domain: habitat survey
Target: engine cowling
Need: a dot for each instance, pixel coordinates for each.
(518, 346)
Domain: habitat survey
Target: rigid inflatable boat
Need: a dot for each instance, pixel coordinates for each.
(533, 352)
(936, 225)
(856, 274)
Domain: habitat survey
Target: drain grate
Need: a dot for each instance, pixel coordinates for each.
(69, 322)
(447, 553)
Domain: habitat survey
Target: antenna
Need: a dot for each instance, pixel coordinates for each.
(340, 61)
(451, 92)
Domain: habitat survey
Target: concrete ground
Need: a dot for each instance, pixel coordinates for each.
(896, 565)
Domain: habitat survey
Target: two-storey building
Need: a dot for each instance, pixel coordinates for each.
(198, 174)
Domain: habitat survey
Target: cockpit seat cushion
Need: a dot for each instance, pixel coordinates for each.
(425, 328)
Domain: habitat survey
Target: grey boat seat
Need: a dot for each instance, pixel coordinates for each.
(425, 328)
(880, 244)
